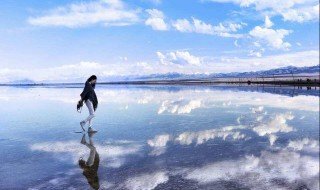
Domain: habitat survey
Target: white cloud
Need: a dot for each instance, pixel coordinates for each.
(156, 20)
(198, 26)
(178, 57)
(267, 4)
(104, 12)
(255, 53)
(290, 10)
(146, 181)
(183, 25)
(256, 44)
(144, 65)
(302, 14)
(236, 43)
(274, 38)
(267, 22)
(184, 63)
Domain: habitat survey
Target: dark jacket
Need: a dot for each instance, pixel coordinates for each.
(88, 93)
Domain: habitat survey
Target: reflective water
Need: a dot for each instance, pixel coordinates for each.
(161, 137)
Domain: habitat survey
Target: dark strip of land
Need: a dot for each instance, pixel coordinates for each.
(314, 82)
(286, 82)
(184, 82)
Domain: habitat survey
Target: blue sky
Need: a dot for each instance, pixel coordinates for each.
(71, 39)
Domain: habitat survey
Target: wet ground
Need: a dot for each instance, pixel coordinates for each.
(161, 137)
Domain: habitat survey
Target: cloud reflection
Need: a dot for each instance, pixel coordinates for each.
(180, 106)
(200, 137)
(114, 155)
(146, 181)
(262, 172)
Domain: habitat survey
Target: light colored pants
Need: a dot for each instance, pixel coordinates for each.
(91, 112)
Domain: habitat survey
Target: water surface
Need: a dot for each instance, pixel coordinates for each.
(161, 137)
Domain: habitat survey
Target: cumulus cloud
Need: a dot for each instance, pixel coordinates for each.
(302, 14)
(83, 14)
(178, 57)
(198, 26)
(267, 22)
(156, 20)
(274, 38)
(147, 181)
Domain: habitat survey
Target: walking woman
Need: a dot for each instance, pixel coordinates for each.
(89, 96)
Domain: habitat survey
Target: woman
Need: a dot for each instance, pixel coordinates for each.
(89, 96)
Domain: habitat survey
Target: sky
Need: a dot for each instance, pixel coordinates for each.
(72, 39)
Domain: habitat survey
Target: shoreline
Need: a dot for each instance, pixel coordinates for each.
(311, 83)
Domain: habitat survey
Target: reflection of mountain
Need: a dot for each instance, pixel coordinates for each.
(282, 90)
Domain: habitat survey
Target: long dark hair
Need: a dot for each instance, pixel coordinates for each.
(93, 77)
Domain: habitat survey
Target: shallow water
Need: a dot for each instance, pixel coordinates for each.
(161, 137)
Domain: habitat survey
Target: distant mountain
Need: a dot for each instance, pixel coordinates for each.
(176, 76)
(23, 81)
(278, 71)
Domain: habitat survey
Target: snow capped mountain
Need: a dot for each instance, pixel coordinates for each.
(278, 71)
(174, 76)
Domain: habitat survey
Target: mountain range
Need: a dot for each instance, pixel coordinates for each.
(175, 76)
(171, 76)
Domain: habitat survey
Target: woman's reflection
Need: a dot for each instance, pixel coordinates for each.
(90, 167)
